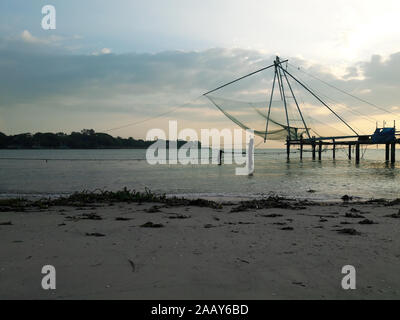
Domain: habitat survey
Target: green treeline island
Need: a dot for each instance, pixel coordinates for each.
(86, 139)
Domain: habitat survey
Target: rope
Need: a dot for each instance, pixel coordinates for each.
(152, 118)
(311, 118)
(342, 91)
(342, 104)
(319, 94)
(365, 149)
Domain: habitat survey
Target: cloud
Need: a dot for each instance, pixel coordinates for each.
(102, 51)
(26, 36)
(53, 83)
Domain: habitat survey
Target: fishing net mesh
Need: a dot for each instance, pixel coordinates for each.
(293, 112)
(254, 115)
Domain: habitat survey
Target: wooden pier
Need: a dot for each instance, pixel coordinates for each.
(355, 143)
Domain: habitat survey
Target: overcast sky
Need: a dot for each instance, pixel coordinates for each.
(112, 63)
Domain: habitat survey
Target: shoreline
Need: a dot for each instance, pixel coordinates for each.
(155, 248)
(215, 197)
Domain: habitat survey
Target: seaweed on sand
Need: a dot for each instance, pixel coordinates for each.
(15, 204)
(86, 198)
(353, 215)
(394, 215)
(393, 202)
(94, 234)
(270, 202)
(349, 231)
(174, 201)
(152, 225)
(385, 202)
(367, 221)
(126, 195)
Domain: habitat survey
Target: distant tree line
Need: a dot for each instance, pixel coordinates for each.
(86, 139)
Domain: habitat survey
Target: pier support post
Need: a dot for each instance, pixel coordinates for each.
(393, 153)
(313, 148)
(301, 148)
(220, 157)
(319, 150)
(387, 147)
(333, 149)
(349, 151)
(288, 148)
(357, 152)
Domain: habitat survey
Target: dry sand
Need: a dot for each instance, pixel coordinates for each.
(200, 253)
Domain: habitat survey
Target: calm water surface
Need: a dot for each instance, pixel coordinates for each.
(54, 172)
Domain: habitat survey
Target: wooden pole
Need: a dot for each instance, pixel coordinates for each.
(288, 148)
(283, 96)
(349, 151)
(387, 147)
(301, 148)
(393, 153)
(319, 150)
(297, 105)
(357, 152)
(250, 156)
(313, 148)
(269, 107)
(334, 150)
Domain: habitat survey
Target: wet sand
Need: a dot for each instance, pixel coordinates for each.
(159, 251)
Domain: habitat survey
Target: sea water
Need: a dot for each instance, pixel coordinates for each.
(38, 173)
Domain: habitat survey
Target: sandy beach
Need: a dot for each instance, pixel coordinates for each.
(288, 250)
